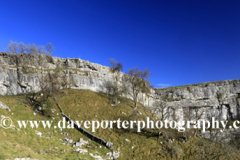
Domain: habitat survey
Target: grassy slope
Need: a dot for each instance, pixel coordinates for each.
(95, 106)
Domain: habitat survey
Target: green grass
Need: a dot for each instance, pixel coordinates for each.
(27, 70)
(96, 106)
(17, 144)
(172, 99)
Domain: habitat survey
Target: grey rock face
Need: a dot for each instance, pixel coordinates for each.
(13, 79)
(220, 98)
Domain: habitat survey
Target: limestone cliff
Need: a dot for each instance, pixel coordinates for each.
(17, 76)
(14, 79)
(221, 97)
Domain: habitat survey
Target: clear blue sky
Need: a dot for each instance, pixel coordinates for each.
(180, 42)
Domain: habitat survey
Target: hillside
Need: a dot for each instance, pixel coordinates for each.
(18, 75)
(88, 105)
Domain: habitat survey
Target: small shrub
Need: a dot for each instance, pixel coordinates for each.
(76, 60)
(24, 70)
(115, 66)
(27, 70)
(219, 95)
(171, 99)
(238, 95)
(48, 109)
(49, 59)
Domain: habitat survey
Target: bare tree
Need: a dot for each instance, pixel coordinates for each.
(137, 82)
(15, 47)
(21, 47)
(161, 108)
(194, 114)
(114, 89)
(115, 66)
(49, 48)
(51, 82)
(33, 49)
(12, 47)
(42, 50)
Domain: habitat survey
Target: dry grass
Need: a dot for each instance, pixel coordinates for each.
(96, 106)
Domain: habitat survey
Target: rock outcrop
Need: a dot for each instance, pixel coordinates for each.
(4, 107)
(220, 98)
(18, 76)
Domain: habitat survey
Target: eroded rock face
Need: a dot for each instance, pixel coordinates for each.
(13, 79)
(219, 98)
